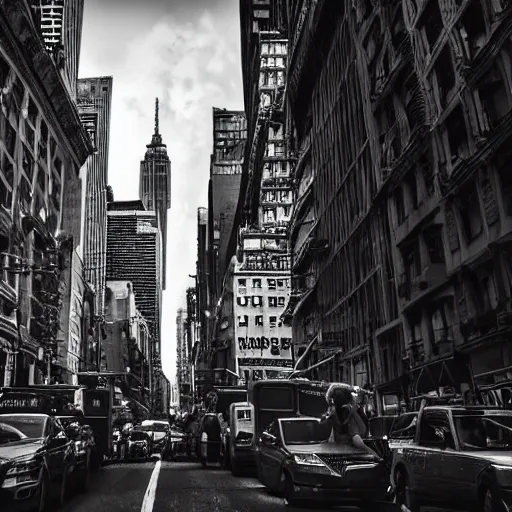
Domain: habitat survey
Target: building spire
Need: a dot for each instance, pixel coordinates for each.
(156, 117)
(156, 140)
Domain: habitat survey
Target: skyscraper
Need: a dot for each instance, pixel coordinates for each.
(134, 254)
(261, 287)
(155, 184)
(229, 136)
(94, 103)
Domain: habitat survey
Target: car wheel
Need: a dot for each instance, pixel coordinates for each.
(489, 504)
(287, 490)
(43, 493)
(404, 497)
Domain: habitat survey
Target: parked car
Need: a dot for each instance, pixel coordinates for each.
(37, 458)
(460, 457)
(138, 445)
(295, 459)
(157, 431)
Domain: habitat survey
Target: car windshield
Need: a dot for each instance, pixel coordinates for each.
(137, 436)
(490, 432)
(15, 427)
(303, 432)
(156, 427)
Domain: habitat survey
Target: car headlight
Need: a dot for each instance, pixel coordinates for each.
(308, 459)
(24, 465)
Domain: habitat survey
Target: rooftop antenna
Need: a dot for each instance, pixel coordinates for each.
(156, 117)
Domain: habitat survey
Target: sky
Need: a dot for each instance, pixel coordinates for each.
(186, 53)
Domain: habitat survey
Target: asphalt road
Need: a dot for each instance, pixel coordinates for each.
(174, 486)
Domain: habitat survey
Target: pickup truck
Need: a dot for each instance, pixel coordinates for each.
(460, 457)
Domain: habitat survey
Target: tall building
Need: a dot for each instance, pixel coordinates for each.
(60, 22)
(42, 147)
(406, 177)
(155, 184)
(262, 344)
(229, 136)
(134, 253)
(182, 358)
(94, 102)
(202, 271)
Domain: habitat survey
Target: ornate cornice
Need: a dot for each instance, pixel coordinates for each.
(20, 39)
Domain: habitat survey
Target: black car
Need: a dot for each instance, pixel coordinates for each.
(36, 456)
(138, 445)
(294, 458)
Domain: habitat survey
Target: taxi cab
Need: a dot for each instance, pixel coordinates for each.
(36, 456)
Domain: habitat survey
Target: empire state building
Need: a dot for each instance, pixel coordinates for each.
(155, 184)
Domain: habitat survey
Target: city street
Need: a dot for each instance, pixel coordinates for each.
(179, 487)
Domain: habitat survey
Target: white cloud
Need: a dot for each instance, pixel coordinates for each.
(191, 68)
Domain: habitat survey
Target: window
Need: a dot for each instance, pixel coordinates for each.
(399, 205)
(243, 321)
(256, 283)
(434, 242)
(272, 302)
(281, 301)
(258, 320)
(242, 286)
(287, 210)
(490, 432)
(269, 215)
(470, 212)
(272, 321)
(271, 283)
(412, 261)
(280, 283)
(242, 301)
(435, 429)
(257, 301)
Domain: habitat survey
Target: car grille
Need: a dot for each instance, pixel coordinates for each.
(336, 462)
